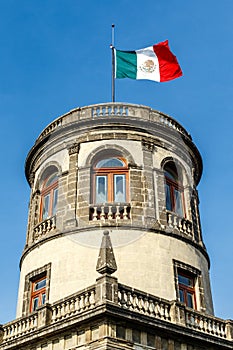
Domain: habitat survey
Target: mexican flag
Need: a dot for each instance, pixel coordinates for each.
(155, 62)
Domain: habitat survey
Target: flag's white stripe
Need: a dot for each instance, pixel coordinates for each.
(147, 64)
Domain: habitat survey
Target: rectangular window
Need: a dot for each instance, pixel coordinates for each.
(101, 189)
(38, 294)
(119, 188)
(186, 285)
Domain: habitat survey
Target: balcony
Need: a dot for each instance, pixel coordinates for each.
(122, 302)
(110, 211)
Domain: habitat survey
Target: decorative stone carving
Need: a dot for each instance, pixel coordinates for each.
(74, 148)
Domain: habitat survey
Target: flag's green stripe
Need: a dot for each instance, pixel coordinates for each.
(126, 64)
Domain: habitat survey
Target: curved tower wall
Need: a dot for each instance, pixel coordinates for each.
(152, 244)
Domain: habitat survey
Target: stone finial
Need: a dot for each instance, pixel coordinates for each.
(106, 262)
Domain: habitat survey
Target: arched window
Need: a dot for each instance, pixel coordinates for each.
(110, 179)
(174, 190)
(49, 194)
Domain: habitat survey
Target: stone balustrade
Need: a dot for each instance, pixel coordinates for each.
(176, 222)
(73, 305)
(144, 303)
(206, 324)
(20, 327)
(110, 211)
(54, 125)
(109, 110)
(135, 301)
(44, 227)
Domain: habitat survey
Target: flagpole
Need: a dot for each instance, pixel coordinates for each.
(113, 62)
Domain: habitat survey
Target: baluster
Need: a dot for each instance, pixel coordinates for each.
(102, 214)
(223, 330)
(77, 304)
(94, 113)
(54, 314)
(151, 306)
(128, 302)
(134, 301)
(40, 230)
(125, 214)
(146, 305)
(140, 303)
(59, 315)
(175, 221)
(63, 309)
(166, 312)
(86, 300)
(67, 309)
(161, 311)
(94, 214)
(118, 110)
(100, 111)
(53, 222)
(110, 212)
(44, 227)
(156, 309)
(82, 303)
(170, 220)
(49, 222)
(123, 297)
(118, 212)
(92, 299)
(112, 110)
(184, 226)
(124, 110)
(188, 229)
(201, 324)
(72, 306)
(180, 224)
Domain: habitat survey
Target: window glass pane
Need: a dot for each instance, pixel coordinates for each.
(40, 284)
(168, 198)
(109, 163)
(119, 188)
(189, 299)
(170, 175)
(178, 202)
(35, 303)
(101, 189)
(43, 299)
(54, 209)
(45, 209)
(181, 295)
(52, 178)
(187, 281)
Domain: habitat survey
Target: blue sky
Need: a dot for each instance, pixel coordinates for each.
(55, 56)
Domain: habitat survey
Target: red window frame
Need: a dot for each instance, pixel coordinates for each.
(187, 290)
(48, 190)
(37, 293)
(109, 172)
(173, 185)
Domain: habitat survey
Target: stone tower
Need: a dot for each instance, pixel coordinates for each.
(131, 173)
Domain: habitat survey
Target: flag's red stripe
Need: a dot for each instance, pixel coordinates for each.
(168, 64)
